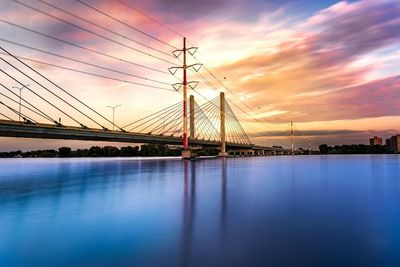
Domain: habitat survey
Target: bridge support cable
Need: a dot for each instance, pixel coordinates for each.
(5, 116)
(205, 129)
(104, 28)
(197, 111)
(176, 126)
(202, 126)
(168, 122)
(63, 90)
(200, 119)
(202, 123)
(148, 119)
(77, 61)
(36, 111)
(24, 106)
(164, 121)
(234, 94)
(15, 80)
(92, 74)
(213, 114)
(84, 48)
(238, 127)
(23, 116)
(232, 135)
(198, 74)
(211, 85)
(237, 133)
(159, 121)
(125, 24)
(91, 32)
(57, 96)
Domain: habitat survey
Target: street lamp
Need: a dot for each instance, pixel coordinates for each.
(113, 108)
(20, 92)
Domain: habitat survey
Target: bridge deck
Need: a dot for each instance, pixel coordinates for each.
(49, 131)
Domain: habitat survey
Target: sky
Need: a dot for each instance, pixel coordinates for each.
(329, 66)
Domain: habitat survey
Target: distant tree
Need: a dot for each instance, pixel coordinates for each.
(208, 152)
(148, 150)
(95, 151)
(64, 152)
(110, 151)
(81, 153)
(129, 151)
(48, 153)
(324, 149)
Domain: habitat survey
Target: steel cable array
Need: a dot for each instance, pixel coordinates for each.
(167, 122)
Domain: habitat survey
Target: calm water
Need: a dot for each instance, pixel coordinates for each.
(272, 211)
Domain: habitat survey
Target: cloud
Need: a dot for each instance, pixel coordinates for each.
(324, 136)
(313, 72)
(374, 99)
(335, 65)
(330, 133)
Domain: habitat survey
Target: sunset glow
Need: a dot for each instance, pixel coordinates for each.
(331, 67)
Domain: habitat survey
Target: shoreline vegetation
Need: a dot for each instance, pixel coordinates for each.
(146, 150)
(354, 149)
(149, 150)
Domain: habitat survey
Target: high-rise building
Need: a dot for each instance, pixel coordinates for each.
(389, 143)
(375, 141)
(395, 143)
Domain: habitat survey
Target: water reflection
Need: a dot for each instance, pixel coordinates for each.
(189, 210)
(223, 216)
(276, 211)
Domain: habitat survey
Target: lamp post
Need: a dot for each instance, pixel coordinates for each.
(113, 109)
(20, 92)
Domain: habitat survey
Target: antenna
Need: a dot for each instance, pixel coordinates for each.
(291, 137)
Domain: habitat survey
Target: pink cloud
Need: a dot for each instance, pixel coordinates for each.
(318, 59)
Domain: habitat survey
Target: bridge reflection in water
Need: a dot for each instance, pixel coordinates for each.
(275, 211)
(189, 209)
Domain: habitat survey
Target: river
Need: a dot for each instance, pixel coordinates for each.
(261, 211)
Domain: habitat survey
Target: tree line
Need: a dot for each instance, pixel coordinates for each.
(146, 150)
(354, 149)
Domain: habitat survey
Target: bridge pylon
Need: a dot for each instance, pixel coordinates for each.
(191, 117)
(187, 152)
(222, 125)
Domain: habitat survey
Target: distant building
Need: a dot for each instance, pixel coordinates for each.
(375, 141)
(395, 143)
(389, 143)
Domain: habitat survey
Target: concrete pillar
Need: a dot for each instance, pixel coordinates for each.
(222, 127)
(191, 106)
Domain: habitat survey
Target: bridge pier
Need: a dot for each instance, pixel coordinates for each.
(241, 152)
(188, 154)
(259, 152)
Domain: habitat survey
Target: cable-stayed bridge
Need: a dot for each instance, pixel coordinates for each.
(209, 123)
(48, 110)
